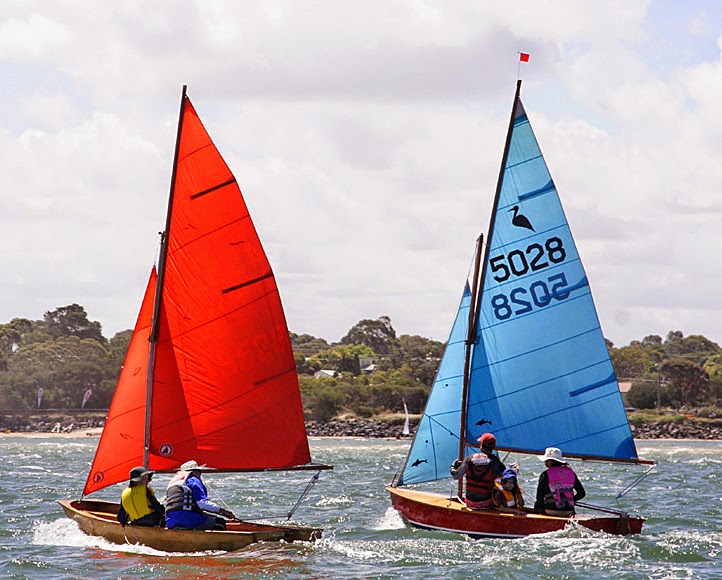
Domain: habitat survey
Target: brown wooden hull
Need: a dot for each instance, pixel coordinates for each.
(98, 518)
(438, 512)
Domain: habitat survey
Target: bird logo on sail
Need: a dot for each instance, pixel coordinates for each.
(520, 220)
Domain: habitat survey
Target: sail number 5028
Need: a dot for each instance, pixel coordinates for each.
(536, 257)
(522, 300)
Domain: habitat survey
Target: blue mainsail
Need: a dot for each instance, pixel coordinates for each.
(436, 443)
(541, 373)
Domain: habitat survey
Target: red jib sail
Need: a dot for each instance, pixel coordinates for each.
(121, 445)
(224, 386)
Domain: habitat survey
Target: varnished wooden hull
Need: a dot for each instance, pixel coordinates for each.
(438, 512)
(98, 518)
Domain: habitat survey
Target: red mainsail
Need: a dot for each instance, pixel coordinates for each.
(224, 387)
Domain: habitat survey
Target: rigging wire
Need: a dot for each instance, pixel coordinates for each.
(288, 515)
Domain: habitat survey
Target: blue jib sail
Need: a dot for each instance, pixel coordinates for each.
(436, 443)
(541, 374)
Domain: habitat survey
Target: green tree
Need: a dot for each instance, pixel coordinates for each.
(689, 381)
(642, 395)
(694, 347)
(72, 320)
(118, 346)
(377, 334)
(306, 344)
(65, 368)
(422, 355)
(341, 357)
(633, 361)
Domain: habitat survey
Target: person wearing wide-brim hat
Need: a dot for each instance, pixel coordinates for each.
(187, 504)
(138, 504)
(481, 470)
(559, 488)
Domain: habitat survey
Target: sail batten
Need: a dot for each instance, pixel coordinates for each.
(214, 188)
(247, 283)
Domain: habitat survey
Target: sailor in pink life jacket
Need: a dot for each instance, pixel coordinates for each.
(559, 488)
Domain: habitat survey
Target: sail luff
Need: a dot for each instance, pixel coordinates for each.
(476, 297)
(162, 258)
(497, 195)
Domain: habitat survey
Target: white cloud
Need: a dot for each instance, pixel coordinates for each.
(366, 137)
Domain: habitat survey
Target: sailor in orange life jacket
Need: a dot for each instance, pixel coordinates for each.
(507, 495)
(138, 504)
(481, 470)
(559, 487)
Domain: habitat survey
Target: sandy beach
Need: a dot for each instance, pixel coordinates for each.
(89, 432)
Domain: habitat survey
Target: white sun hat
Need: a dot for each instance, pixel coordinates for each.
(552, 453)
(191, 465)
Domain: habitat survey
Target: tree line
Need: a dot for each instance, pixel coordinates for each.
(64, 362)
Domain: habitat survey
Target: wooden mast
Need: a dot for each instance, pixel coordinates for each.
(159, 284)
(479, 282)
(469, 342)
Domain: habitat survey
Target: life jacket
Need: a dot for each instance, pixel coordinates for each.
(179, 496)
(479, 481)
(135, 501)
(561, 484)
(510, 498)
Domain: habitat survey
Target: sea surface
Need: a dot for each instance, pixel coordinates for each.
(363, 536)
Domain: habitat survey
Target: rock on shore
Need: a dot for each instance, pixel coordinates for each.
(370, 428)
(670, 430)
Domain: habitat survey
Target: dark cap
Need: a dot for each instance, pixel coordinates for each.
(137, 473)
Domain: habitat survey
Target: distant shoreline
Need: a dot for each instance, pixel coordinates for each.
(371, 429)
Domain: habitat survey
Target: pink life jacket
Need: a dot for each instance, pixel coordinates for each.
(561, 484)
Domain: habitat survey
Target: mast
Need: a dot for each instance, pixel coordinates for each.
(152, 339)
(479, 281)
(469, 342)
(500, 179)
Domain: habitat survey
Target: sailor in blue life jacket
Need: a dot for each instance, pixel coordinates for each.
(507, 495)
(481, 470)
(186, 502)
(138, 504)
(559, 488)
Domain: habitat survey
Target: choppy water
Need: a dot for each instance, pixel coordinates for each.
(364, 538)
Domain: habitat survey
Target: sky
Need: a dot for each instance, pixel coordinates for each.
(366, 137)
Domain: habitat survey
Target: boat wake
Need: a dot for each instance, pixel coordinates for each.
(391, 520)
(66, 532)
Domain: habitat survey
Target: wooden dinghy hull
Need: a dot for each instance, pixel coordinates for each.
(435, 511)
(98, 518)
